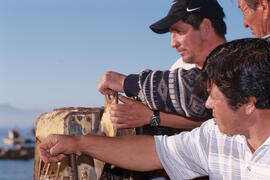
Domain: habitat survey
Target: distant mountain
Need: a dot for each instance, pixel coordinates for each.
(11, 116)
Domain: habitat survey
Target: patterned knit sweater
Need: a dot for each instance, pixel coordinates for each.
(170, 91)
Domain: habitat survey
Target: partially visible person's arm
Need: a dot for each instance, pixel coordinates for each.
(177, 121)
(130, 152)
(135, 114)
(169, 91)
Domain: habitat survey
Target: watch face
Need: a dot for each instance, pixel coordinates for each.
(155, 121)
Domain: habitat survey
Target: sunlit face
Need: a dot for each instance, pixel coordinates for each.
(187, 41)
(253, 19)
(229, 122)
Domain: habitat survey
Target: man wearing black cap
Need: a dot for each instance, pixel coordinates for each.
(196, 27)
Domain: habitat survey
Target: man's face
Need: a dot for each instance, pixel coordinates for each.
(229, 122)
(187, 41)
(253, 19)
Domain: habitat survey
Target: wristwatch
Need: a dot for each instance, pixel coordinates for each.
(155, 120)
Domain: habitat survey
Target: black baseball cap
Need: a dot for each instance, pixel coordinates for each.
(182, 8)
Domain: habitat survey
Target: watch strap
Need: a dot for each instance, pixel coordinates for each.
(156, 112)
(155, 120)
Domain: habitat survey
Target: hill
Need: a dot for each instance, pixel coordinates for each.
(11, 116)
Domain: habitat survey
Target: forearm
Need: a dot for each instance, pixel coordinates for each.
(177, 121)
(171, 91)
(130, 152)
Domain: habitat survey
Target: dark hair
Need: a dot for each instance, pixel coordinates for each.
(195, 19)
(240, 69)
(252, 4)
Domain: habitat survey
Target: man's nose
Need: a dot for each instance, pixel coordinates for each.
(209, 104)
(174, 42)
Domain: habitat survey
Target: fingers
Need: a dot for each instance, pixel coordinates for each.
(122, 120)
(123, 126)
(103, 87)
(43, 153)
(56, 150)
(120, 117)
(56, 158)
(111, 81)
(125, 99)
(52, 149)
(115, 108)
(120, 113)
(129, 115)
(49, 159)
(44, 148)
(107, 91)
(119, 120)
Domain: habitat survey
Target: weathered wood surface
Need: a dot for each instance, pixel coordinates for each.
(77, 121)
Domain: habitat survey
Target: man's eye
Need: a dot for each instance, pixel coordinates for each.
(181, 32)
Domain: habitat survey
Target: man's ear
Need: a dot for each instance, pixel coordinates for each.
(206, 28)
(265, 7)
(250, 106)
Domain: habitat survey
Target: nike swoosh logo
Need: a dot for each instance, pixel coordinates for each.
(194, 9)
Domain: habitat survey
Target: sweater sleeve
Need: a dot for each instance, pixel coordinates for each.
(131, 86)
(169, 91)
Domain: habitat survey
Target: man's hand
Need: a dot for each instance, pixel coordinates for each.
(111, 81)
(55, 147)
(131, 114)
(114, 150)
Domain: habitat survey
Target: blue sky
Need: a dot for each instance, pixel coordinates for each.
(52, 52)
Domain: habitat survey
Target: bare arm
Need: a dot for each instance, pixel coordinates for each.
(135, 114)
(178, 121)
(130, 152)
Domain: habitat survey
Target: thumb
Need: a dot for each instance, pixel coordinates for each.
(125, 100)
(55, 150)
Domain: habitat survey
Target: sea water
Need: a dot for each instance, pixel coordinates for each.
(15, 169)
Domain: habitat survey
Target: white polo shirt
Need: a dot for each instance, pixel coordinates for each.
(207, 151)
